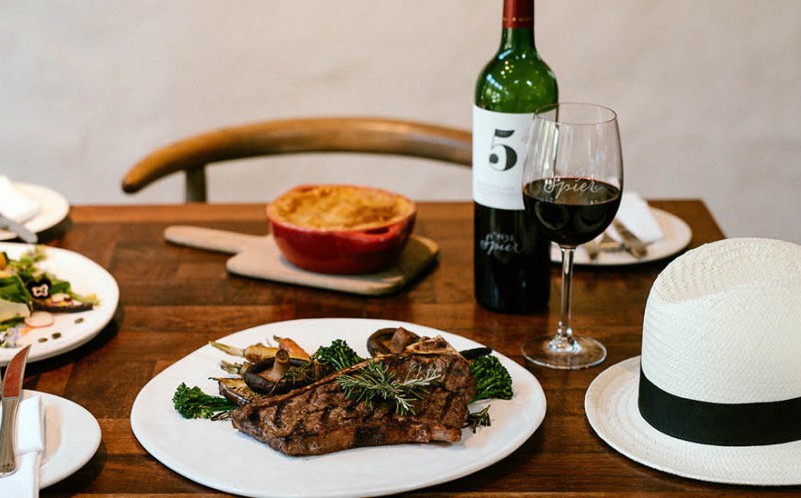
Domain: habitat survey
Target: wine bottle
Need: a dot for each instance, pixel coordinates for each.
(511, 259)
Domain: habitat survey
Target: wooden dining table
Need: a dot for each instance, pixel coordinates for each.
(174, 299)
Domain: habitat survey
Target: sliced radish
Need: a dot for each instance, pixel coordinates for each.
(39, 319)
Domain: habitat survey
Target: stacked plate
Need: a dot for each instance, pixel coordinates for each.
(37, 208)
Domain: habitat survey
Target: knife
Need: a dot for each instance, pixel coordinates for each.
(12, 392)
(18, 228)
(631, 242)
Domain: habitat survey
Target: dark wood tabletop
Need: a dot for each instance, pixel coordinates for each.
(175, 299)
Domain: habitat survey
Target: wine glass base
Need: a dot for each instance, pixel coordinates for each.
(551, 352)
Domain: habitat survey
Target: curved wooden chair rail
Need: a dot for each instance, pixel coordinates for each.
(371, 135)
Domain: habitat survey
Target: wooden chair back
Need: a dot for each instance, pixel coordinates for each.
(290, 136)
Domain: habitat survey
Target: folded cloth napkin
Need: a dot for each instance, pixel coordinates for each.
(635, 214)
(14, 203)
(28, 448)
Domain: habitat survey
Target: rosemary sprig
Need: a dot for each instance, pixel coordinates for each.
(478, 419)
(376, 382)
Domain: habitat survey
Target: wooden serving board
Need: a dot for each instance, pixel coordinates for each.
(258, 256)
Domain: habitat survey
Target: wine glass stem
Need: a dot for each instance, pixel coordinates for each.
(565, 331)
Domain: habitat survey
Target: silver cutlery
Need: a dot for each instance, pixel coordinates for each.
(12, 392)
(631, 243)
(17, 228)
(593, 249)
(606, 244)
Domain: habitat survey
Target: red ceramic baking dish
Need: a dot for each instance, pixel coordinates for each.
(341, 229)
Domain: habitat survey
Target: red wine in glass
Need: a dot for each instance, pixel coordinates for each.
(571, 211)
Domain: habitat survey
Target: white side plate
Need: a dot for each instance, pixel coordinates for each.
(72, 436)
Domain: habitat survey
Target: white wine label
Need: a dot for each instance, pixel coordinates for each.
(499, 145)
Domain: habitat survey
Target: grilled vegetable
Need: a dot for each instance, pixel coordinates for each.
(279, 368)
(472, 354)
(337, 356)
(259, 352)
(194, 403)
(292, 348)
(269, 376)
(253, 353)
(390, 340)
(236, 390)
(492, 379)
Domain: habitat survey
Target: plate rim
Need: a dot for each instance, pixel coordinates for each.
(171, 461)
(109, 306)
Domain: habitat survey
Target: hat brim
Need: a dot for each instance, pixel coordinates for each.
(611, 407)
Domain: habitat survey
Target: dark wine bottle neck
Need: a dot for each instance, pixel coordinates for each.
(517, 38)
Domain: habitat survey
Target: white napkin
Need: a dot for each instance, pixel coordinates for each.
(14, 203)
(635, 214)
(28, 448)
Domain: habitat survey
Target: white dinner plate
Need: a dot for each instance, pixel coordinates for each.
(72, 436)
(677, 236)
(71, 329)
(215, 454)
(53, 208)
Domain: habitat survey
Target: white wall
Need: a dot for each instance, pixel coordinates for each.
(708, 92)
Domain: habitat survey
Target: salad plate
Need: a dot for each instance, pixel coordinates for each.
(215, 454)
(53, 208)
(68, 330)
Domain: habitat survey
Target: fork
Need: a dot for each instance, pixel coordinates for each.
(631, 242)
(606, 244)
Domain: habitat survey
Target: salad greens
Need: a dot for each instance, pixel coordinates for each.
(25, 287)
(15, 300)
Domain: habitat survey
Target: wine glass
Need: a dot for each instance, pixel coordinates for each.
(572, 181)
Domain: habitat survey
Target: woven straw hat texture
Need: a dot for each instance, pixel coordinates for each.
(723, 323)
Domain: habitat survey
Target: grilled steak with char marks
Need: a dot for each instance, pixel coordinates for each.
(318, 418)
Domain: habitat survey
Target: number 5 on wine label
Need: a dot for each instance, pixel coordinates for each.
(508, 152)
(498, 144)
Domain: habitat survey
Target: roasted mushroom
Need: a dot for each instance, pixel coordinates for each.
(390, 340)
(269, 376)
(236, 390)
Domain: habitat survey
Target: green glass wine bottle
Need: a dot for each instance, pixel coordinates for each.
(511, 260)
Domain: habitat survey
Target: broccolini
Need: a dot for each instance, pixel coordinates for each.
(194, 403)
(337, 356)
(492, 378)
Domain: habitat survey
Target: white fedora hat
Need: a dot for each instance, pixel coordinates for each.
(716, 394)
